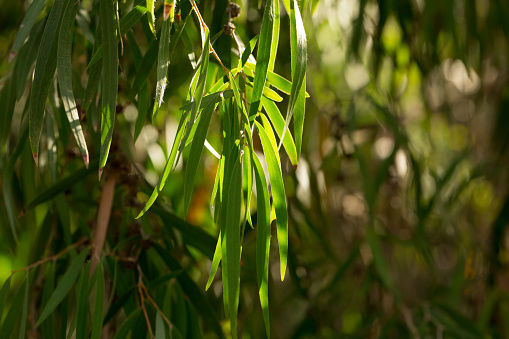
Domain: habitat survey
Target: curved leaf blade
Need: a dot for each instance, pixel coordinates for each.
(110, 79)
(163, 61)
(64, 286)
(264, 56)
(64, 68)
(43, 75)
(262, 240)
(28, 22)
(278, 195)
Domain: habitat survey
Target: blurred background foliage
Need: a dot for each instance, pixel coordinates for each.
(398, 208)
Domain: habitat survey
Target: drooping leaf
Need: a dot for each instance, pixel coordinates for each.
(110, 80)
(262, 239)
(128, 324)
(64, 68)
(126, 23)
(14, 312)
(160, 329)
(3, 294)
(151, 17)
(24, 312)
(64, 286)
(264, 56)
(82, 305)
(196, 151)
(279, 123)
(163, 61)
(28, 22)
(167, 168)
(275, 37)
(298, 45)
(215, 262)
(278, 195)
(249, 50)
(97, 322)
(43, 75)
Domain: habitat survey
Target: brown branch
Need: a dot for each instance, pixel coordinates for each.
(103, 218)
(52, 258)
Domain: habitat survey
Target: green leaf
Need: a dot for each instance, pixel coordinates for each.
(215, 263)
(160, 330)
(193, 292)
(275, 80)
(262, 240)
(275, 37)
(64, 68)
(43, 75)
(198, 93)
(231, 242)
(196, 151)
(148, 62)
(23, 326)
(63, 185)
(3, 294)
(82, 306)
(264, 56)
(163, 61)
(298, 45)
(13, 314)
(128, 324)
(249, 50)
(279, 124)
(97, 322)
(110, 79)
(151, 16)
(167, 168)
(298, 117)
(278, 195)
(28, 22)
(126, 23)
(64, 286)
(26, 58)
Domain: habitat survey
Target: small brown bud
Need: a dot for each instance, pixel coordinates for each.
(233, 10)
(229, 28)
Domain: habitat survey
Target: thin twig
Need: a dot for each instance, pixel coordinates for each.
(149, 298)
(52, 258)
(142, 300)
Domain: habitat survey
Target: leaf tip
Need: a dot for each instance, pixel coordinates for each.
(36, 159)
(295, 166)
(86, 160)
(167, 11)
(101, 172)
(12, 55)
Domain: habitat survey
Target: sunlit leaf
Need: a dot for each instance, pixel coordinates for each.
(163, 61)
(110, 80)
(278, 195)
(64, 68)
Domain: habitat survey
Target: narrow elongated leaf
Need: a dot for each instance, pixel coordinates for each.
(3, 294)
(275, 37)
(298, 45)
(193, 292)
(247, 187)
(82, 306)
(110, 80)
(167, 168)
(148, 62)
(128, 324)
(126, 23)
(23, 326)
(64, 286)
(248, 50)
(200, 85)
(196, 151)
(278, 195)
(298, 118)
(151, 16)
(163, 61)
(160, 330)
(43, 75)
(279, 123)
(28, 22)
(262, 239)
(215, 263)
(97, 322)
(275, 80)
(14, 312)
(233, 242)
(26, 58)
(264, 56)
(169, 10)
(64, 68)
